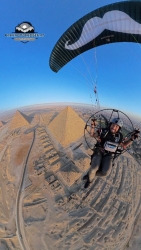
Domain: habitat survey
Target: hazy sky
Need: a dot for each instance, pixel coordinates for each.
(25, 75)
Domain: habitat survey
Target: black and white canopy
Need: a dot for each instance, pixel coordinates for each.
(118, 22)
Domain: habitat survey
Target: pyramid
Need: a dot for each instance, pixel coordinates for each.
(19, 120)
(67, 127)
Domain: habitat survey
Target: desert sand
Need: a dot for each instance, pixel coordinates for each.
(43, 205)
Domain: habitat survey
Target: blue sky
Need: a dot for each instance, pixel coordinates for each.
(27, 79)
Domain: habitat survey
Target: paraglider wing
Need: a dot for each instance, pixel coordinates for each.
(118, 22)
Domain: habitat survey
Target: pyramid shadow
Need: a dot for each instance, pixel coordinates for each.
(52, 118)
(30, 118)
(2, 123)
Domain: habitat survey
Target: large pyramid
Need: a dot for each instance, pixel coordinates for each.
(19, 120)
(67, 127)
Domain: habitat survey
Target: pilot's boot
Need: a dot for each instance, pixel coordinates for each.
(86, 178)
(87, 184)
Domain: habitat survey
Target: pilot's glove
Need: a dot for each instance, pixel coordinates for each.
(135, 135)
(93, 122)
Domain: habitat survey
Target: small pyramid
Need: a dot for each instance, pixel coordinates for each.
(1, 123)
(19, 120)
(70, 174)
(67, 127)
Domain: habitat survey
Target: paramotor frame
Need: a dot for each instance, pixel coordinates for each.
(103, 119)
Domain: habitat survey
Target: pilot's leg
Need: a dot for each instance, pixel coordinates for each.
(95, 163)
(106, 165)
